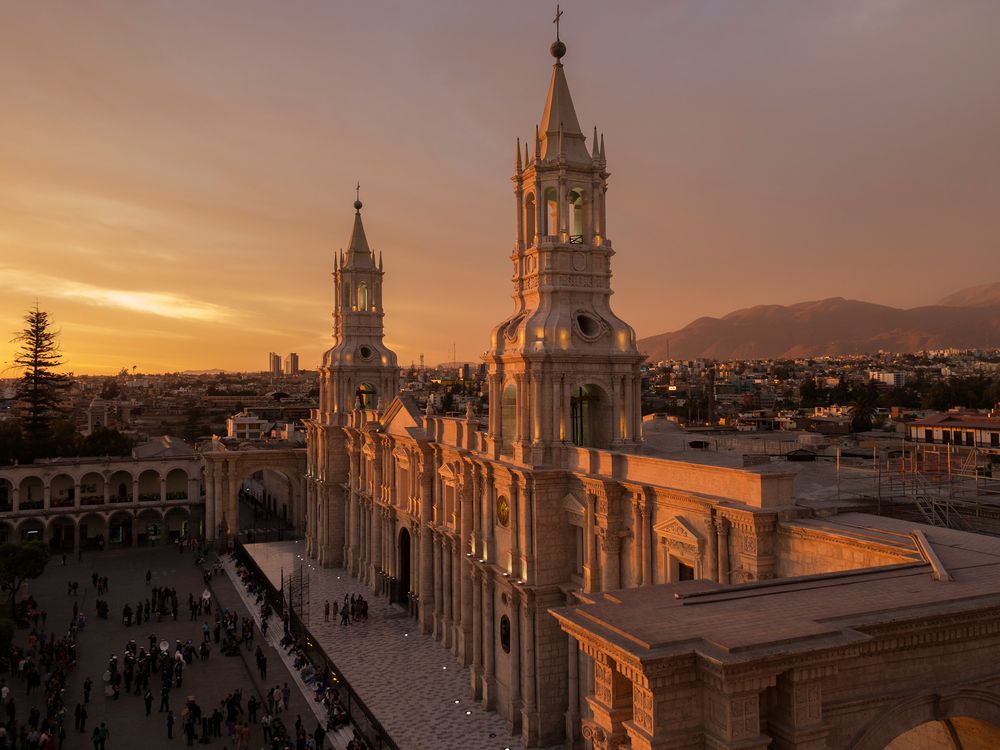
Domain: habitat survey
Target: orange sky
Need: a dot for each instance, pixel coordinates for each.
(176, 177)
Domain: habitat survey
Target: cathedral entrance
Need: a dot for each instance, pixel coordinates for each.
(402, 593)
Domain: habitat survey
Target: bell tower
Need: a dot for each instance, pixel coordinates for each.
(563, 368)
(359, 372)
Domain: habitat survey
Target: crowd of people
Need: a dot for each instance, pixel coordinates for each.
(354, 608)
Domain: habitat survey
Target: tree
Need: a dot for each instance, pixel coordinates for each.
(105, 441)
(41, 388)
(19, 563)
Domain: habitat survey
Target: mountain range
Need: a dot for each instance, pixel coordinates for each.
(966, 319)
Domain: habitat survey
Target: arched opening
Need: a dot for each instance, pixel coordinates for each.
(590, 417)
(62, 491)
(92, 531)
(92, 489)
(6, 532)
(366, 396)
(529, 219)
(403, 579)
(32, 530)
(177, 524)
(120, 484)
(120, 530)
(363, 296)
(149, 486)
(508, 416)
(148, 528)
(32, 494)
(576, 217)
(177, 484)
(6, 495)
(551, 212)
(62, 531)
(970, 733)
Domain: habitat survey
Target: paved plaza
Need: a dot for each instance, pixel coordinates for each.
(210, 682)
(412, 685)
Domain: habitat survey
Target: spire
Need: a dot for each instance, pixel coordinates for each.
(596, 154)
(604, 159)
(559, 112)
(358, 252)
(517, 156)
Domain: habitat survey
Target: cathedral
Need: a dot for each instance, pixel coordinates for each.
(496, 532)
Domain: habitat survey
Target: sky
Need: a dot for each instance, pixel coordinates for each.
(176, 177)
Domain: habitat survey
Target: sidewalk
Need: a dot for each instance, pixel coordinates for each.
(410, 682)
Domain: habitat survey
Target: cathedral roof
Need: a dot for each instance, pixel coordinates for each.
(560, 113)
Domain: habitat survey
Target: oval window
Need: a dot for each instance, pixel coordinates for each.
(365, 352)
(588, 326)
(505, 634)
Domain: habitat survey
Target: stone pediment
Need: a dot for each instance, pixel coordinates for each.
(448, 473)
(400, 419)
(573, 504)
(679, 531)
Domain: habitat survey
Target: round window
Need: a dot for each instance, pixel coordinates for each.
(503, 511)
(365, 352)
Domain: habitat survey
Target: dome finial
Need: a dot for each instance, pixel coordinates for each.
(357, 200)
(558, 49)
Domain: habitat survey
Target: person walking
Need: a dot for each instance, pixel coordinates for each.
(88, 684)
(170, 725)
(164, 698)
(326, 611)
(147, 698)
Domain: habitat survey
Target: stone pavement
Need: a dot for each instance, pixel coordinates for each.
(210, 682)
(411, 683)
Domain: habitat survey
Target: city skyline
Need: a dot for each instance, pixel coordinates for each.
(178, 183)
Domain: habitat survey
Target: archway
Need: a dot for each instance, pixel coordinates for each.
(31, 494)
(62, 491)
(6, 532)
(62, 534)
(148, 528)
(120, 529)
(177, 524)
(177, 484)
(149, 486)
(6, 495)
(968, 719)
(366, 396)
(31, 530)
(93, 532)
(403, 579)
(590, 417)
(120, 487)
(92, 489)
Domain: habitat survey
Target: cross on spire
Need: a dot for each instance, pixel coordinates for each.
(357, 192)
(555, 20)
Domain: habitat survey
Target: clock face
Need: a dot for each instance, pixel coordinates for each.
(503, 511)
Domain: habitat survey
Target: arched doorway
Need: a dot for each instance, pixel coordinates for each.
(963, 732)
(403, 579)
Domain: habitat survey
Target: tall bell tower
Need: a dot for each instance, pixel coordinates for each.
(358, 373)
(563, 368)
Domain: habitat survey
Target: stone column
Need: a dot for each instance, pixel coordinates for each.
(722, 531)
(163, 489)
(737, 719)
(536, 407)
(610, 705)
(476, 667)
(463, 571)
(488, 692)
(610, 561)
(438, 589)
(514, 700)
(529, 714)
(76, 496)
(712, 554)
(589, 532)
(448, 590)
(573, 691)
(647, 543)
(47, 494)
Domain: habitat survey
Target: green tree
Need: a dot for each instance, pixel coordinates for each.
(105, 441)
(12, 446)
(863, 411)
(41, 388)
(19, 563)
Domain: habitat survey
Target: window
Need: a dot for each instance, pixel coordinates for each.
(995, 439)
(363, 296)
(505, 634)
(945, 437)
(529, 219)
(928, 436)
(551, 212)
(970, 438)
(366, 396)
(685, 572)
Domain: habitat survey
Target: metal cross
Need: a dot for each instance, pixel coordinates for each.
(556, 20)
(357, 192)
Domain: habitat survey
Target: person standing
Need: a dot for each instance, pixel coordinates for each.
(326, 611)
(147, 698)
(88, 684)
(170, 724)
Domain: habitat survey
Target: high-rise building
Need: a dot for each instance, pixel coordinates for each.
(274, 363)
(292, 364)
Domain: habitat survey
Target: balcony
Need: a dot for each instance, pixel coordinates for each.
(92, 500)
(31, 505)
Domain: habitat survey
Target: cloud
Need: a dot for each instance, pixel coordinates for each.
(162, 304)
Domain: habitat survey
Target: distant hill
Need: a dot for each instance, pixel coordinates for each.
(967, 319)
(984, 295)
